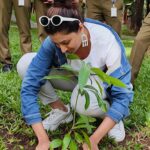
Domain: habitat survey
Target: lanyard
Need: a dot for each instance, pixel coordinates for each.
(113, 1)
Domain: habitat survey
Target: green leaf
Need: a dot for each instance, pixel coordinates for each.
(66, 141)
(104, 106)
(72, 56)
(81, 126)
(101, 75)
(101, 103)
(83, 122)
(85, 119)
(59, 77)
(117, 82)
(106, 78)
(55, 144)
(87, 140)
(91, 88)
(82, 119)
(148, 119)
(68, 67)
(91, 119)
(84, 74)
(99, 86)
(78, 137)
(87, 99)
(73, 145)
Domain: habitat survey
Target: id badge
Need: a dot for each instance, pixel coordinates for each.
(113, 12)
(21, 2)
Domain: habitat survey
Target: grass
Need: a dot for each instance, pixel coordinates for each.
(16, 135)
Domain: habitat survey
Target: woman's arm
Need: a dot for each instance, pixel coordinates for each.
(100, 132)
(43, 140)
(33, 80)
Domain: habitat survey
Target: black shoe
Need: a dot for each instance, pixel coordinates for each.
(7, 67)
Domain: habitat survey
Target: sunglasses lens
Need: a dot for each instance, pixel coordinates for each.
(44, 21)
(56, 20)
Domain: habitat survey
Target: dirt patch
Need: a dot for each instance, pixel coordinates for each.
(133, 139)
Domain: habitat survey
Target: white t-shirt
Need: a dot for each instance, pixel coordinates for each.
(105, 51)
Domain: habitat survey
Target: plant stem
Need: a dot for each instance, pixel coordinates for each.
(74, 114)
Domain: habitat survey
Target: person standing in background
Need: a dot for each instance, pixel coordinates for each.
(41, 7)
(22, 10)
(108, 11)
(140, 46)
(22, 13)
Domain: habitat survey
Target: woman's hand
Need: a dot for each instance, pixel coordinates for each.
(43, 139)
(94, 146)
(43, 146)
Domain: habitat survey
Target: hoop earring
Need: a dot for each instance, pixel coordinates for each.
(84, 40)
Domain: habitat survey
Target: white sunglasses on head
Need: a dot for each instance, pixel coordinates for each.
(56, 20)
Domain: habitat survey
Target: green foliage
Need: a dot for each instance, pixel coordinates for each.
(58, 77)
(73, 145)
(108, 79)
(87, 97)
(66, 141)
(68, 68)
(84, 122)
(78, 137)
(148, 119)
(72, 56)
(83, 77)
(2, 144)
(101, 103)
(127, 1)
(55, 144)
(87, 140)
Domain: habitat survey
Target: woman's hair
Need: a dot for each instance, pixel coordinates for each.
(64, 8)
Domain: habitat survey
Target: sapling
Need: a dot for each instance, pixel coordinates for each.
(77, 135)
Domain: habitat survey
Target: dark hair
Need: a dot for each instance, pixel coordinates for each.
(64, 8)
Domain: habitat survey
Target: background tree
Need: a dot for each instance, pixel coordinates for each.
(138, 14)
(147, 6)
(136, 8)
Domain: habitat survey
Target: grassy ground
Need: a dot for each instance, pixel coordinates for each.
(15, 135)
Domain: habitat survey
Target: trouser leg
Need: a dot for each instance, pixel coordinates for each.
(94, 10)
(5, 17)
(47, 92)
(93, 110)
(40, 10)
(23, 21)
(114, 22)
(141, 44)
(101, 10)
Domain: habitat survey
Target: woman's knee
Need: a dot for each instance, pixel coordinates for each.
(23, 63)
(81, 102)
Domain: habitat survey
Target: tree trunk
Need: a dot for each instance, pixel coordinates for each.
(147, 6)
(137, 15)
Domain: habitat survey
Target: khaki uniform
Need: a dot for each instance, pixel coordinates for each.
(22, 18)
(82, 7)
(101, 10)
(141, 45)
(22, 14)
(40, 10)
